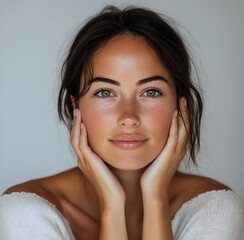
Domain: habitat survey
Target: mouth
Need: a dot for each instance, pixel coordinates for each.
(128, 145)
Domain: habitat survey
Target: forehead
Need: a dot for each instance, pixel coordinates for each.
(128, 56)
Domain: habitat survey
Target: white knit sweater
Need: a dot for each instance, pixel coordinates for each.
(213, 215)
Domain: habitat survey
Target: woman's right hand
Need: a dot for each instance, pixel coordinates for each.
(108, 189)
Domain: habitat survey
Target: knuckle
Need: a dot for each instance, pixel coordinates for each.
(73, 143)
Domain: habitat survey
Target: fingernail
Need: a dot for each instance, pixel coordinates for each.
(176, 113)
(75, 112)
(81, 125)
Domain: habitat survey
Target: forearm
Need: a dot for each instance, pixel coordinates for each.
(113, 225)
(156, 220)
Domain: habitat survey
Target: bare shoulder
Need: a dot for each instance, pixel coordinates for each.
(50, 188)
(196, 184)
(190, 186)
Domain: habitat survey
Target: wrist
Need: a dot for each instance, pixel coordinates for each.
(113, 225)
(159, 195)
(112, 207)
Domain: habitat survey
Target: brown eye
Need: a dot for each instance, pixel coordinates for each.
(153, 93)
(104, 93)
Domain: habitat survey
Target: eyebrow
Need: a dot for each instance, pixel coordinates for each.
(140, 82)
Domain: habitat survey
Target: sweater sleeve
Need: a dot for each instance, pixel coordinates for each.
(29, 216)
(213, 215)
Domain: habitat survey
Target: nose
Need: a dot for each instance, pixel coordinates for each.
(129, 115)
(129, 122)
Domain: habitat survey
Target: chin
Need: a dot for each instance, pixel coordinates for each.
(128, 164)
(127, 159)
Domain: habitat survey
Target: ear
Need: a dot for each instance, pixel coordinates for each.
(73, 101)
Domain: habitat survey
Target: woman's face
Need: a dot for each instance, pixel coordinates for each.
(128, 121)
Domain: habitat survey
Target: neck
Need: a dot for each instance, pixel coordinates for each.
(130, 181)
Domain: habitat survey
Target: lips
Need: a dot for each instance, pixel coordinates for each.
(129, 141)
(128, 138)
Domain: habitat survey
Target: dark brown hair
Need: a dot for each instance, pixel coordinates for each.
(163, 38)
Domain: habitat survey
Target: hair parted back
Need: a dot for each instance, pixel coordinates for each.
(134, 21)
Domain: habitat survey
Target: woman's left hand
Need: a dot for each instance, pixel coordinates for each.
(156, 178)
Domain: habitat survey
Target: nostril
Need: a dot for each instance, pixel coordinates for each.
(129, 122)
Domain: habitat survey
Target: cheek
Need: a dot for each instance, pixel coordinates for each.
(159, 119)
(97, 122)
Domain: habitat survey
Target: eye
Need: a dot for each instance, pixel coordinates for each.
(103, 93)
(153, 92)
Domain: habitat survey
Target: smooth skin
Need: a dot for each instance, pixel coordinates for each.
(128, 109)
(116, 193)
(154, 182)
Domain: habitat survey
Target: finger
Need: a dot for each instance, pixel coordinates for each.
(83, 137)
(184, 125)
(83, 156)
(83, 144)
(75, 132)
(170, 147)
(75, 136)
(173, 133)
(91, 162)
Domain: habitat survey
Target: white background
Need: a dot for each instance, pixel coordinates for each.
(34, 36)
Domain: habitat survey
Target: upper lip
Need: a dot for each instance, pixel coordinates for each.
(129, 138)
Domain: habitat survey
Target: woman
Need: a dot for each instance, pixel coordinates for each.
(133, 112)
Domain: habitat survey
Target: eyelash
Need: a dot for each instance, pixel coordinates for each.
(105, 89)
